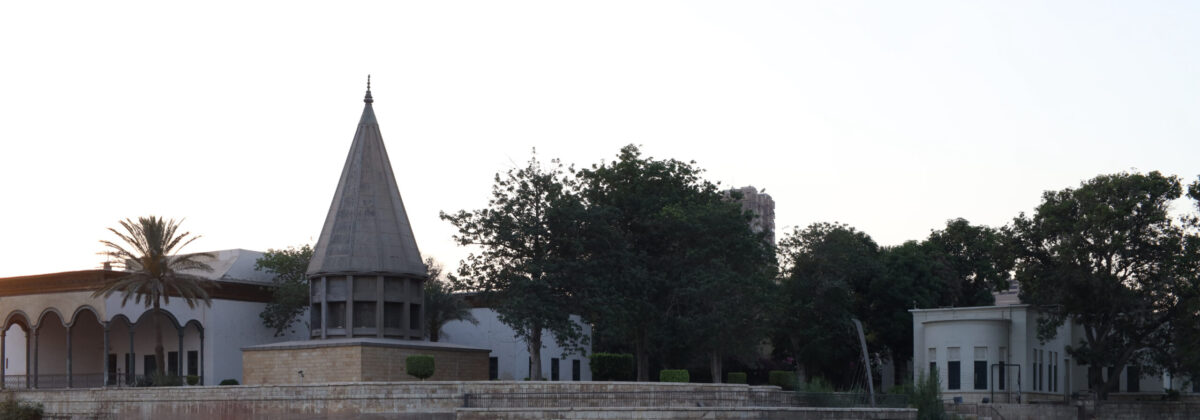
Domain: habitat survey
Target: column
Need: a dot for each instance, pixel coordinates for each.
(179, 357)
(28, 332)
(69, 356)
(131, 360)
(106, 350)
(3, 355)
(379, 307)
(324, 306)
(35, 357)
(349, 306)
(201, 370)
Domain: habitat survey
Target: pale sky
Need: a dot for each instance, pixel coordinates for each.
(889, 116)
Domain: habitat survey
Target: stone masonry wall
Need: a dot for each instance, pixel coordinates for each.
(353, 363)
(388, 364)
(399, 400)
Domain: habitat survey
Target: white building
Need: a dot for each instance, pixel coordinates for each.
(55, 332)
(509, 359)
(993, 352)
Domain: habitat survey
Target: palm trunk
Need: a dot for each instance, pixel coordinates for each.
(159, 358)
(535, 354)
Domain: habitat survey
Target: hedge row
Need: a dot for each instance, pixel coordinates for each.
(611, 367)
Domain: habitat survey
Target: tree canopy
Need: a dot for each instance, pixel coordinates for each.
(1107, 256)
(290, 295)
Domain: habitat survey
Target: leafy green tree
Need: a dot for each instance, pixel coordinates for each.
(914, 278)
(289, 297)
(1106, 256)
(724, 278)
(974, 262)
(827, 270)
(528, 241)
(643, 212)
(441, 304)
(154, 269)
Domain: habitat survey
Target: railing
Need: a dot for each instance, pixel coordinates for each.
(93, 380)
(751, 398)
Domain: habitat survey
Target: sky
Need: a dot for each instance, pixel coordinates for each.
(892, 117)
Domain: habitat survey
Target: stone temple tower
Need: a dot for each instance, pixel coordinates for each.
(366, 274)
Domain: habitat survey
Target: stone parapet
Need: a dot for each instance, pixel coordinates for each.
(357, 360)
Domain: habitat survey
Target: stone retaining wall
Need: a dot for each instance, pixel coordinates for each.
(730, 413)
(395, 400)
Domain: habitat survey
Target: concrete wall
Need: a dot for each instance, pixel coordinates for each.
(512, 354)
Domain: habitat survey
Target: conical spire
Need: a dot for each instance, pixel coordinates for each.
(367, 229)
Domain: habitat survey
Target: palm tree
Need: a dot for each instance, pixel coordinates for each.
(441, 305)
(154, 271)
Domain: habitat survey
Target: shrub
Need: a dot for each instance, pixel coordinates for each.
(818, 384)
(229, 382)
(419, 366)
(611, 367)
(673, 375)
(735, 378)
(927, 397)
(1171, 395)
(782, 378)
(193, 380)
(166, 380)
(11, 408)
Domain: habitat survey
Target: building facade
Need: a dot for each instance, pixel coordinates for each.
(56, 334)
(993, 352)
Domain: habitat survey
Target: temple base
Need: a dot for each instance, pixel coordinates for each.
(357, 360)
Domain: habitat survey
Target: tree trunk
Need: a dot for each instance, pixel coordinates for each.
(714, 366)
(535, 354)
(643, 358)
(160, 361)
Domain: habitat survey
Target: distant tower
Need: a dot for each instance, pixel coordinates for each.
(763, 206)
(366, 274)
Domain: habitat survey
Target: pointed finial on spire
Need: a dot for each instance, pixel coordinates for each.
(368, 98)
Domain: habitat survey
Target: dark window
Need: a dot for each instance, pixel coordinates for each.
(337, 315)
(149, 367)
(981, 374)
(393, 315)
(193, 360)
(955, 381)
(932, 368)
(364, 314)
(553, 369)
(575, 370)
(414, 316)
(173, 363)
(493, 368)
(112, 369)
(1000, 374)
(1054, 377)
(315, 316)
(1133, 379)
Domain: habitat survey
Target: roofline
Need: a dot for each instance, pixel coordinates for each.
(91, 280)
(970, 308)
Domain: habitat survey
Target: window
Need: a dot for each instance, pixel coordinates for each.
(981, 368)
(1054, 371)
(953, 368)
(414, 316)
(1002, 373)
(1037, 371)
(553, 368)
(364, 314)
(393, 315)
(1133, 379)
(575, 369)
(315, 316)
(193, 360)
(112, 368)
(173, 363)
(493, 368)
(932, 362)
(337, 315)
